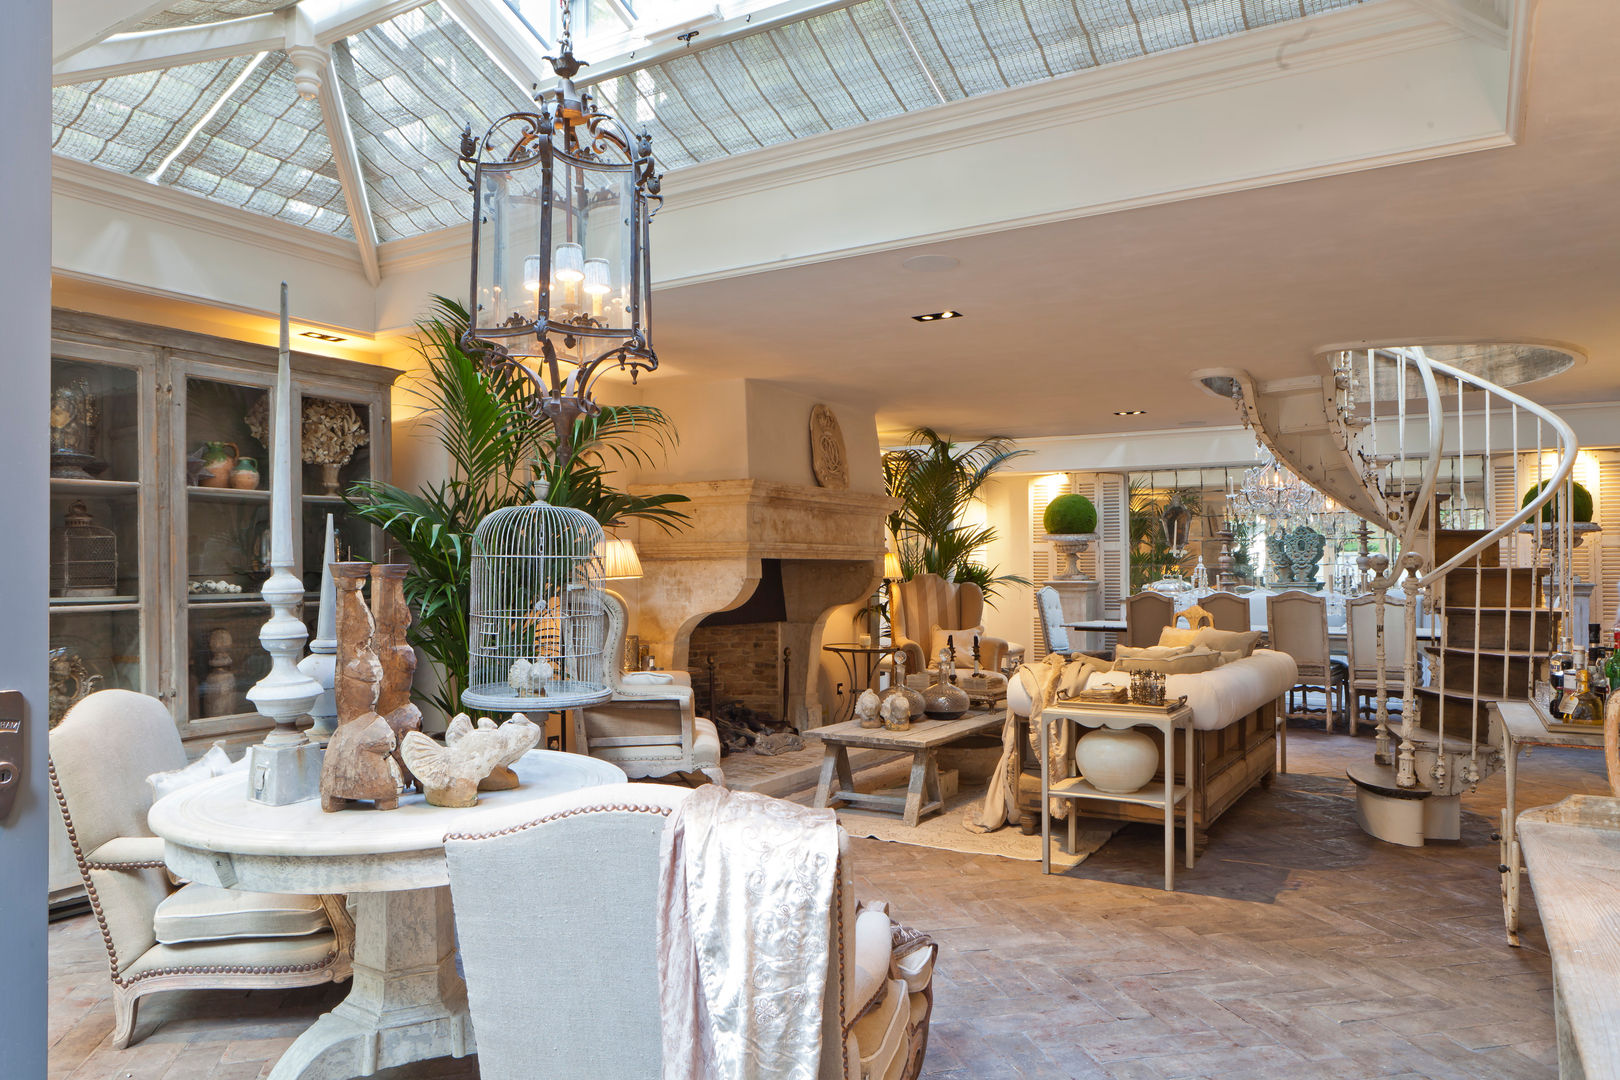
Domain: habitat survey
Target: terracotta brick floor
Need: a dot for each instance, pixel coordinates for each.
(1297, 948)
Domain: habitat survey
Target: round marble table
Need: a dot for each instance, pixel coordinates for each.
(406, 1002)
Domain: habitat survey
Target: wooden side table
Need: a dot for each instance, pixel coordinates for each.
(921, 741)
(1167, 720)
(1522, 725)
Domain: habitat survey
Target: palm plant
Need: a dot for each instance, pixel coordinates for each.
(1151, 556)
(935, 480)
(482, 418)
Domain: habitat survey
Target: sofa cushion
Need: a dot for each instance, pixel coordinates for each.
(705, 742)
(916, 967)
(204, 913)
(1166, 659)
(1242, 641)
(941, 638)
(280, 953)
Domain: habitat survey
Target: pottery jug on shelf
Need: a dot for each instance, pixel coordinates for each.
(245, 474)
(218, 459)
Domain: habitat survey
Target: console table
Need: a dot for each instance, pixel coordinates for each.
(1166, 792)
(406, 1002)
(1523, 725)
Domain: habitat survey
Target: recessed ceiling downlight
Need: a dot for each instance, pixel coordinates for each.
(318, 336)
(1130, 412)
(931, 264)
(935, 316)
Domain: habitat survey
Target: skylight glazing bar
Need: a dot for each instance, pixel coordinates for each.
(900, 25)
(213, 110)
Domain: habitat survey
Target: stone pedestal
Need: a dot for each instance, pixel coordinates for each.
(407, 1003)
(1082, 602)
(282, 773)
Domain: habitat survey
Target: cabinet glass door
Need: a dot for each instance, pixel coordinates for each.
(227, 537)
(97, 630)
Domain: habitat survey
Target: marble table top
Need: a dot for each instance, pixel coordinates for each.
(213, 834)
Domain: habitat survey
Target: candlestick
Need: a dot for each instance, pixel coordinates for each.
(286, 767)
(321, 662)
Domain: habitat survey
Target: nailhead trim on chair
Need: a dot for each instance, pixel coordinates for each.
(84, 872)
(85, 866)
(661, 811)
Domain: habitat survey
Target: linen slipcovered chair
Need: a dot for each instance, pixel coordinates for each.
(1050, 607)
(1146, 616)
(1362, 623)
(1297, 624)
(569, 989)
(1229, 610)
(928, 609)
(648, 727)
(159, 937)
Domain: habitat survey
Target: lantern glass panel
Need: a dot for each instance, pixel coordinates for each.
(510, 272)
(593, 209)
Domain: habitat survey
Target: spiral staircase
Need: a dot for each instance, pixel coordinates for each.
(1372, 433)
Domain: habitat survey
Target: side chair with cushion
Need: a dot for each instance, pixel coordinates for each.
(649, 727)
(569, 990)
(159, 937)
(1297, 624)
(928, 610)
(1146, 616)
(1362, 622)
(1050, 607)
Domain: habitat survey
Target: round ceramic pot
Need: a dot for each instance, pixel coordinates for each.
(218, 460)
(246, 474)
(1118, 762)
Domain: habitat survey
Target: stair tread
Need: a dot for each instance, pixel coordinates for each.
(1469, 695)
(1381, 780)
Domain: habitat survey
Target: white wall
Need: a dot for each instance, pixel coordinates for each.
(25, 301)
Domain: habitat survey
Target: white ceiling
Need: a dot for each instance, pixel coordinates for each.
(1066, 323)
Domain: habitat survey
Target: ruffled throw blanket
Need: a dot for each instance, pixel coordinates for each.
(745, 901)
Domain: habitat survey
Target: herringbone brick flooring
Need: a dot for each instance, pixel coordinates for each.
(1297, 948)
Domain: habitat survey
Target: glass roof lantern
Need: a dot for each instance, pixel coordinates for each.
(561, 281)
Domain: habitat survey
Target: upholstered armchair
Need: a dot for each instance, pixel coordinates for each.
(648, 727)
(159, 937)
(570, 991)
(1297, 623)
(928, 610)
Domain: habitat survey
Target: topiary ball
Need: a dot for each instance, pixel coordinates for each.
(1070, 514)
(1582, 507)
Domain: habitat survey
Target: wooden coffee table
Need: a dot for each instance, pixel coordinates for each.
(922, 740)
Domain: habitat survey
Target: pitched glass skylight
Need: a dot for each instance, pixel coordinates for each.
(235, 131)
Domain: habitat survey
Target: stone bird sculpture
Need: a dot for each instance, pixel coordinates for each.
(451, 773)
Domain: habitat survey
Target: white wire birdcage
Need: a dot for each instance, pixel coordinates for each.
(538, 618)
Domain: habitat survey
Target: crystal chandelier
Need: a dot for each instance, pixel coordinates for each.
(1273, 492)
(561, 279)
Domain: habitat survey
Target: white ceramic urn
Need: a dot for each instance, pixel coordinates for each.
(1118, 762)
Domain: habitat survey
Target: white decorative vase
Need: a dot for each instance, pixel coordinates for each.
(1118, 762)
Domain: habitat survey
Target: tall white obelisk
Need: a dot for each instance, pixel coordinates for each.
(286, 767)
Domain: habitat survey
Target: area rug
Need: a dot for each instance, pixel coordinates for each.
(944, 829)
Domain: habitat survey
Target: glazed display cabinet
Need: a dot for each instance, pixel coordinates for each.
(160, 503)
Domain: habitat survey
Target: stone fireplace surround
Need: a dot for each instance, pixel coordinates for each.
(829, 546)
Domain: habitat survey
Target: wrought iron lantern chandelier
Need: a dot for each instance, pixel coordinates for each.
(561, 282)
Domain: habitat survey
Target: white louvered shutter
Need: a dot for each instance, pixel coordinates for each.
(1043, 561)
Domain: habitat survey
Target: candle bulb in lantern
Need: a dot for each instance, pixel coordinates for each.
(598, 283)
(568, 267)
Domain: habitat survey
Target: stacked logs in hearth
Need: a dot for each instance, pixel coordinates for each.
(742, 729)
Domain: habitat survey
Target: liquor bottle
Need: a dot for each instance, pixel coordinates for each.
(1587, 707)
(1611, 670)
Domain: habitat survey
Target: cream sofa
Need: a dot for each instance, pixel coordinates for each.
(565, 984)
(1235, 713)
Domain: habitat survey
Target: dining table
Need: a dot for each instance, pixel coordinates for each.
(406, 1002)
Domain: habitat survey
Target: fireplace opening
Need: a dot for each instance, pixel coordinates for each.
(741, 666)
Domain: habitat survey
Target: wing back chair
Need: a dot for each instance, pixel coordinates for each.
(928, 609)
(159, 938)
(584, 962)
(648, 727)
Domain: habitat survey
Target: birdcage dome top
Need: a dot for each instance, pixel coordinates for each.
(538, 619)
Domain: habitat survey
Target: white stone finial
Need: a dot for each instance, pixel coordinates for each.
(286, 767)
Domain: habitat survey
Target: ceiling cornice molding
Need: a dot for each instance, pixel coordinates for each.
(1255, 56)
(103, 187)
(428, 249)
(119, 285)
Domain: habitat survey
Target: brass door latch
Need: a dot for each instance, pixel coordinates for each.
(12, 709)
